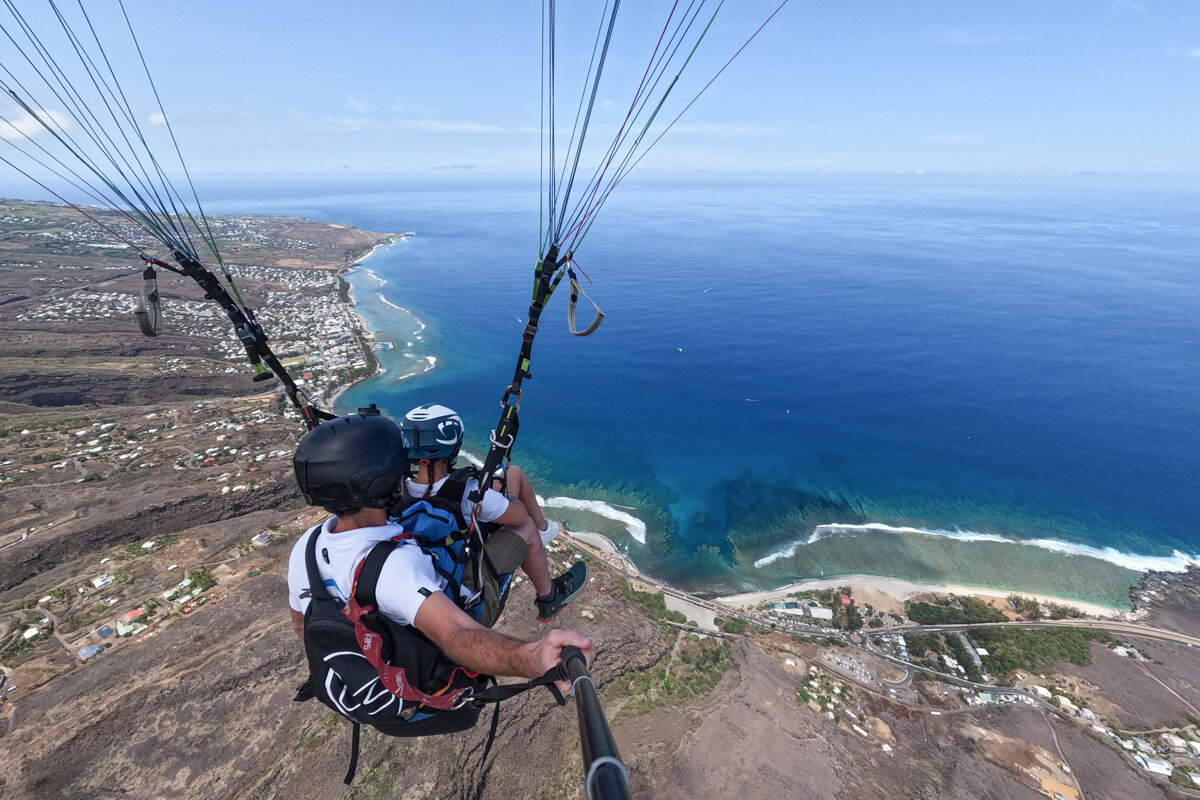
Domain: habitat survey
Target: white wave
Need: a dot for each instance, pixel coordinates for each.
(371, 274)
(432, 361)
(1176, 562)
(388, 302)
(636, 528)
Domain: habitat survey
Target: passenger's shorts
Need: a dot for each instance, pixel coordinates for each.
(504, 551)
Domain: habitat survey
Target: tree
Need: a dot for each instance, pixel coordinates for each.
(202, 579)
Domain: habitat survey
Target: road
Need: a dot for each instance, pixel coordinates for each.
(1127, 628)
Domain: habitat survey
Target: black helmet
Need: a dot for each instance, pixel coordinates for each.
(431, 432)
(350, 462)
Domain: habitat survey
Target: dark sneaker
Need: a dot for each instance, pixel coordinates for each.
(566, 586)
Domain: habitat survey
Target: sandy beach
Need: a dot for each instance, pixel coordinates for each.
(885, 594)
(878, 591)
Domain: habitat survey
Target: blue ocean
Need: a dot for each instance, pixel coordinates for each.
(971, 381)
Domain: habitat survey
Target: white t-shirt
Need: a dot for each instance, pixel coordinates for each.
(494, 504)
(407, 578)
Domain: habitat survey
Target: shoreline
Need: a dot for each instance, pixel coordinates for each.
(874, 589)
(366, 334)
(901, 589)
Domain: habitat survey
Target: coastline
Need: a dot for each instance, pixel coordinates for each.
(884, 593)
(900, 590)
(366, 334)
(878, 590)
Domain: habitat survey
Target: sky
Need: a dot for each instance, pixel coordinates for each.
(379, 88)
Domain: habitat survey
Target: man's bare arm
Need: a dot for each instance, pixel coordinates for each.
(466, 642)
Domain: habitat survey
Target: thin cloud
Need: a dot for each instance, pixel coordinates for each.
(157, 118)
(25, 126)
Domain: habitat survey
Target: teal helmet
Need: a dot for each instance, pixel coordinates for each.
(431, 432)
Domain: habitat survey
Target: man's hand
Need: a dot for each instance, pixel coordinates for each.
(477, 648)
(548, 651)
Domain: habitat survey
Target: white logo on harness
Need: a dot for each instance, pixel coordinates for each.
(371, 692)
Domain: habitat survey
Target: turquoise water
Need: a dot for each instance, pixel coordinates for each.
(979, 383)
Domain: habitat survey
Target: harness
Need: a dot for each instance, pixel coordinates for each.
(458, 546)
(374, 671)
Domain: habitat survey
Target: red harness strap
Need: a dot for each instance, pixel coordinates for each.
(392, 677)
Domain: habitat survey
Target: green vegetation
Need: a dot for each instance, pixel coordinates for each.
(1180, 779)
(919, 643)
(202, 580)
(847, 616)
(1064, 612)
(696, 669)
(732, 625)
(1011, 649)
(960, 654)
(18, 651)
(825, 692)
(1027, 607)
(654, 604)
(959, 611)
(132, 550)
(317, 731)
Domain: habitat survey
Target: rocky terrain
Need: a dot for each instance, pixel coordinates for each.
(152, 462)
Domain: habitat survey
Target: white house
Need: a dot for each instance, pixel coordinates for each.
(1176, 744)
(1157, 766)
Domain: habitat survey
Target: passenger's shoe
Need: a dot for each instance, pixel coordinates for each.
(552, 529)
(565, 586)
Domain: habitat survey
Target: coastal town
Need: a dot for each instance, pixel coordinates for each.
(926, 651)
(141, 525)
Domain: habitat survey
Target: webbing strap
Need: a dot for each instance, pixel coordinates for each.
(148, 311)
(505, 434)
(316, 586)
(371, 643)
(353, 756)
(577, 290)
